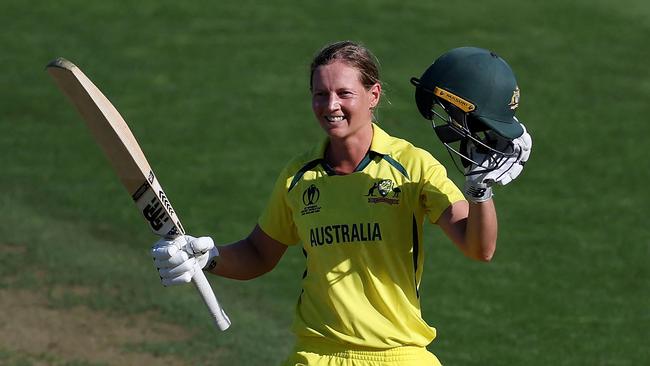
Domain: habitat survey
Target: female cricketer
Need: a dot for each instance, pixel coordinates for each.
(356, 204)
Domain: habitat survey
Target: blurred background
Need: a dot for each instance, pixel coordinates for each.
(217, 95)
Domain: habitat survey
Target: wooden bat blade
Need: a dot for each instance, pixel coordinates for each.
(105, 123)
(119, 145)
(123, 152)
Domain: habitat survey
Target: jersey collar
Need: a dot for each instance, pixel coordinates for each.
(380, 141)
(380, 145)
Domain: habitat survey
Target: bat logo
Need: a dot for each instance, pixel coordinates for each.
(165, 201)
(173, 233)
(155, 214)
(176, 230)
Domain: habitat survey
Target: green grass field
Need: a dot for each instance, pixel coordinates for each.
(217, 94)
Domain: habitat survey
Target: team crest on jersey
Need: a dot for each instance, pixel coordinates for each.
(310, 197)
(384, 191)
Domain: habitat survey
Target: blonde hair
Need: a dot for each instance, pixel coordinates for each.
(354, 55)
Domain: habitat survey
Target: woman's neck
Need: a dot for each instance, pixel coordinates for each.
(344, 155)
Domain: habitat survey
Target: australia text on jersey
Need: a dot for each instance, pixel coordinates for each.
(345, 233)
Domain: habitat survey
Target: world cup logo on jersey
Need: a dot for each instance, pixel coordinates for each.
(310, 196)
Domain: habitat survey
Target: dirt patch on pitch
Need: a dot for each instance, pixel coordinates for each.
(35, 331)
(12, 249)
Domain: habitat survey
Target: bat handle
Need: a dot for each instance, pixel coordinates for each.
(219, 316)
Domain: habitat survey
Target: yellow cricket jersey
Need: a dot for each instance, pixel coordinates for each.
(361, 234)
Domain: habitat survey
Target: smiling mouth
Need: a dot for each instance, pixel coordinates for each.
(334, 118)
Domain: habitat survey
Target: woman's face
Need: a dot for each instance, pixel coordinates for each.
(340, 102)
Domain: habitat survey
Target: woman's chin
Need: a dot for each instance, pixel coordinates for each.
(336, 129)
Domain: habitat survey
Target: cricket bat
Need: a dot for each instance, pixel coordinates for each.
(125, 155)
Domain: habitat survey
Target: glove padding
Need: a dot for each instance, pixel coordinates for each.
(178, 259)
(480, 179)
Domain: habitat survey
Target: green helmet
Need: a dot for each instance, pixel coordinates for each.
(474, 94)
(475, 82)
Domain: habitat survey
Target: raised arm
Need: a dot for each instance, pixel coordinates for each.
(248, 258)
(472, 227)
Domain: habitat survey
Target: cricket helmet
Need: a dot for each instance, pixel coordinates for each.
(474, 94)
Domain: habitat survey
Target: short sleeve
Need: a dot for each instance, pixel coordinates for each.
(277, 218)
(438, 192)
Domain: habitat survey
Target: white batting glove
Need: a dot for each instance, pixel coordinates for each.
(178, 259)
(478, 184)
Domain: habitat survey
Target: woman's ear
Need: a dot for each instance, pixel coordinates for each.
(374, 95)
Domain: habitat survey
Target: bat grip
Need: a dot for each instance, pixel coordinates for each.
(219, 316)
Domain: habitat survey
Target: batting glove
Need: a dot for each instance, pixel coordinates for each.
(178, 259)
(480, 179)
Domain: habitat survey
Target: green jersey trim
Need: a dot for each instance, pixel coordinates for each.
(396, 165)
(370, 156)
(307, 167)
(416, 249)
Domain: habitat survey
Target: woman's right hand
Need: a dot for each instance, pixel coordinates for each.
(177, 259)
